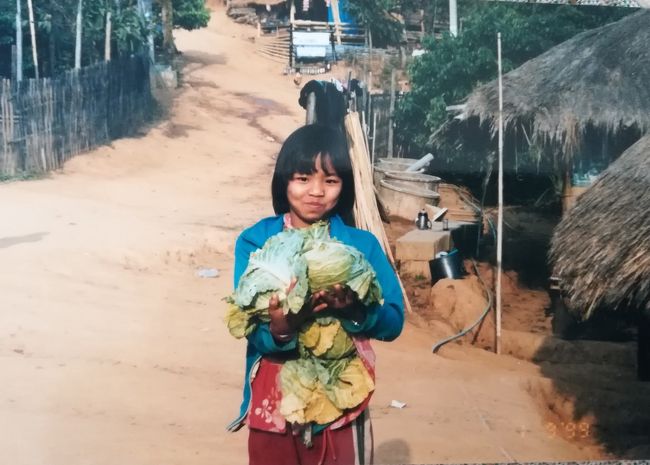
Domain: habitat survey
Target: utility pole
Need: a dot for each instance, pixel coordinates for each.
(19, 43)
(453, 18)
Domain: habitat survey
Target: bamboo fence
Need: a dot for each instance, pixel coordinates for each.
(45, 122)
(379, 123)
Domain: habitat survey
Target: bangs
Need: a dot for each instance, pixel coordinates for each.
(298, 155)
(304, 166)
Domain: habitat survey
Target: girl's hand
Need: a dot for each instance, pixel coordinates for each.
(281, 328)
(340, 297)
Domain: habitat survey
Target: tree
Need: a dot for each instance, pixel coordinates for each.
(375, 15)
(54, 22)
(453, 66)
(166, 14)
(190, 14)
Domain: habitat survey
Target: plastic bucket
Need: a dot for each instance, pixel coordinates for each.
(448, 266)
(417, 180)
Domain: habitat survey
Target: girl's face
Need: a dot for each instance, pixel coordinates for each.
(313, 195)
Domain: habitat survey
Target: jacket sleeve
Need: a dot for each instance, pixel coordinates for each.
(383, 322)
(261, 336)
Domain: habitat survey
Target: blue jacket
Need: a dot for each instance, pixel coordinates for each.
(383, 322)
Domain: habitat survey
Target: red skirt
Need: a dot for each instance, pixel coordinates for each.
(348, 445)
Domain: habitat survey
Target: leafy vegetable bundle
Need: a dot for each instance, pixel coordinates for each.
(328, 377)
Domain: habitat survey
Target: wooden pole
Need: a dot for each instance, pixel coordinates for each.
(393, 75)
(77, 48)
(310, 117)
(453, 18)
(334, 4)
(374, 137)
(107, 39)
(32, 32)
(19, 43)
(500, 213)
(13, 62)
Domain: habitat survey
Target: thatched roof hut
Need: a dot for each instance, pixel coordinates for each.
(599, 78)
(601, 249)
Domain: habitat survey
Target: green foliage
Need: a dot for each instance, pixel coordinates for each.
(190, 14)
(453, 66)
(375, 15)
(56, 26)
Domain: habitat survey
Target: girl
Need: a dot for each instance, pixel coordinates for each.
(312, 181)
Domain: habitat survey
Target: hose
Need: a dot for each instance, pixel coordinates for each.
(441, 343)
(486, 310)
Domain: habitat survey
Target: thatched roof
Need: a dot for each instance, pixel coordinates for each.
(601, 248)
(600, 77)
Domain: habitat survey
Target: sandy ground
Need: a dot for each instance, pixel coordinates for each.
(112, 349)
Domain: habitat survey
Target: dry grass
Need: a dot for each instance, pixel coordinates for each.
(598, 78)
(601, 249)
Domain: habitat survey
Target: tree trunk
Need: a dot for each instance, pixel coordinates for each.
(169, 49)
(77, 49)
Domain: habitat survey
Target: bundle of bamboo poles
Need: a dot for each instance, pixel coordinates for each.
(366, 211)
(275, 47)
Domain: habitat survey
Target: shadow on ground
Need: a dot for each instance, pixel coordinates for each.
(591, 392)
(392, 452)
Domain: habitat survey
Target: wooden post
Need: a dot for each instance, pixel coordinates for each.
(453, 18)
(310, 117)
(13, 63)
(291, 44)
(393, 75)
(19, 43)
(52, 48)
(32, 32)
(500, 212)
(334, 4)
(422, 30)
(77, 48)
(107, 39)
(374, 137)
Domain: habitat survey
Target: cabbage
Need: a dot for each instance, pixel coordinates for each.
(331, 262)
(328, 377)
(270, 270)
(326, 339)
(315, 260)
(318, 391)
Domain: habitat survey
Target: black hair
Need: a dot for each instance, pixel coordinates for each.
(298, 155)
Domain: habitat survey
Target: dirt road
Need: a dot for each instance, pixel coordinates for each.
(112, 349)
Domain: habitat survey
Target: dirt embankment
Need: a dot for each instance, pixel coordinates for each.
(585, 391)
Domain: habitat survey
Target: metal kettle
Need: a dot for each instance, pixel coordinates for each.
(423, 221)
